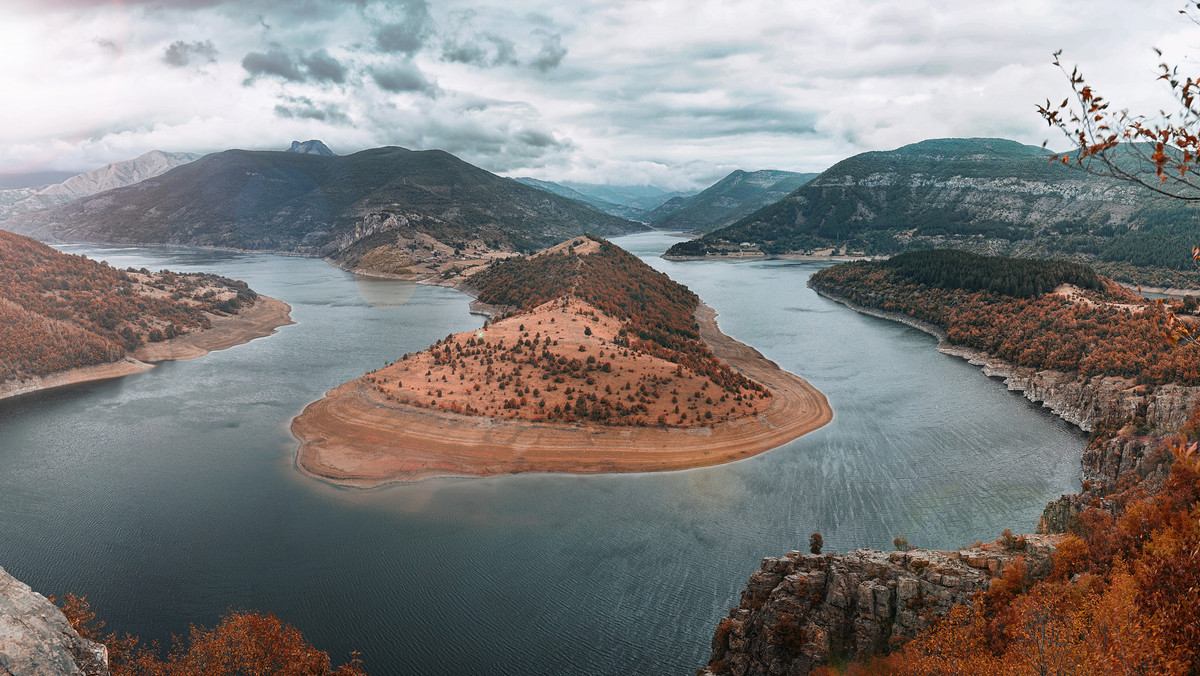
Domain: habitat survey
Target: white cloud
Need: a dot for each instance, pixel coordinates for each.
(674, 92)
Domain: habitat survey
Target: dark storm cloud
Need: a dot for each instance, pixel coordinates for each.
(485, 49)
(402, 78)
(318, 66)
(407, 35)
(275, 62)
(496, 147)
(180, 53)
(324, 68)
(552, 52)
(304, 108)
(536, 139)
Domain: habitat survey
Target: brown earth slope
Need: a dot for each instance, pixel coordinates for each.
(605, 366)
(66, 319)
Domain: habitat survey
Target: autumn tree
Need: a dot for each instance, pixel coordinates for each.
(1159, 152)
(243, 643)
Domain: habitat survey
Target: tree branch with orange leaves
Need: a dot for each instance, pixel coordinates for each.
(1160, 152)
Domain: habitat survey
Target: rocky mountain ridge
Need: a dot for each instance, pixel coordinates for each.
(312, 147)
(108, 177)
(307, 204)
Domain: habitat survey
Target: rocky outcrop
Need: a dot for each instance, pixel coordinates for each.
(312, 147)
(1084, 401)
(1117, 466)
(37, 640)
(798, 611)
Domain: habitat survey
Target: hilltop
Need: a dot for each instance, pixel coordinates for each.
(66, 318)
(317, 204)
(990, 196)
(598, 363)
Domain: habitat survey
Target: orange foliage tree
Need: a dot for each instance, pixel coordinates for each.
(244, 643)
(1159, 152)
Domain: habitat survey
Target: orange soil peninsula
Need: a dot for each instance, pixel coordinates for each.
(563, 385)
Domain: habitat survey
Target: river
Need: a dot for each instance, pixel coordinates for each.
(169, 496)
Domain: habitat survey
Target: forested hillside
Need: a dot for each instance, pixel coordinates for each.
(590, 334)
(659, 314)
(60, 311)
(984, 195)
(1116, 595)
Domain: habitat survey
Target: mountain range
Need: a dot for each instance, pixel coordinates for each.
(728, 200)
(990, 196)
(317, 204)
(633, 202)
(108, 177)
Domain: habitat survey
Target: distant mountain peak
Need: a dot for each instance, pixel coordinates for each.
(311, 147)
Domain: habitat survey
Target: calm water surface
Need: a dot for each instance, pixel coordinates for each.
(169, 496)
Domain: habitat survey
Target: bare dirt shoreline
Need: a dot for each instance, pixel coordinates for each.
(259, 320)
(354, 437)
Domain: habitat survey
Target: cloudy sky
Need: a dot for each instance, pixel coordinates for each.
(674, 93)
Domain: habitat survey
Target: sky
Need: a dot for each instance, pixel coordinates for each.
(671, 93)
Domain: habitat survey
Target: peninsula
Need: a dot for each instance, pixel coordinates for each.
(66, 319)
(597, 363)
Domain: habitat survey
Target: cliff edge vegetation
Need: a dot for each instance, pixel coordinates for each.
(1110, 585)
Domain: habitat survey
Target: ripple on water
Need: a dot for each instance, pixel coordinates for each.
(170, 496)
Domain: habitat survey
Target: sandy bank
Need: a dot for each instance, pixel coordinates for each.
(259, 320)
(355, 437)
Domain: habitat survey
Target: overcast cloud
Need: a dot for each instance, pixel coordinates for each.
(675, 93)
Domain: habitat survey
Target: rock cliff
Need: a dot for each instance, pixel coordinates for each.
(800, 610)
(1079, 400)
(37, 640)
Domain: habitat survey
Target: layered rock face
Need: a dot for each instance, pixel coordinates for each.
(1080, 400)
(37, 640)
(799, 610)
(1084, 401)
